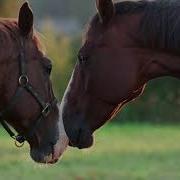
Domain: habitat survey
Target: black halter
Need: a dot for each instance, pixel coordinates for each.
(25, 85)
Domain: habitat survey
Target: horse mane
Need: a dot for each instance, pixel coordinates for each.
(160, 23)
(130, 7)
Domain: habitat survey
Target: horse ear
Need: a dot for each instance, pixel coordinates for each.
(105, 10)
(25, 21)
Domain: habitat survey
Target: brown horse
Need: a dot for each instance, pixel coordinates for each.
(27, 100)
(126, 45)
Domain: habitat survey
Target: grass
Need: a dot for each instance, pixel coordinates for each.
(125, 152)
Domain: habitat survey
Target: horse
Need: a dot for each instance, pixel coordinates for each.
(126, 45)
(27, 100)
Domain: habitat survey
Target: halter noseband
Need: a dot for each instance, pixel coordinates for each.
(25, 85)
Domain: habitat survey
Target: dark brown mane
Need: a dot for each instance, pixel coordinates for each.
(160, 25)
(129, 7)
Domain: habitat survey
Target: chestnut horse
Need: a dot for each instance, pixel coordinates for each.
(125, 46)
(27, 100)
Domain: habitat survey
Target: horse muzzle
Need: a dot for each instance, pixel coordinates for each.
(49, 154)
(80, 138)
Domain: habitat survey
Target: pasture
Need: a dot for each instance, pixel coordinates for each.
(126, 152)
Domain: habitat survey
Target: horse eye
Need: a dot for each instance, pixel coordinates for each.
(49, 69)
(82, 59)
(47, 65)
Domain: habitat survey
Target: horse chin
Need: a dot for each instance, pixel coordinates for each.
(53, 152)
(82, 142)
(52, 157)
(40, 157)
(60, 147)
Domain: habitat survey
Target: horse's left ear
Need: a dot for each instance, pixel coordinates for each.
(25, 21)
(105, 9)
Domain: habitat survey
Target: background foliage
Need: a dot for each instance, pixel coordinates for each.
(161, 100)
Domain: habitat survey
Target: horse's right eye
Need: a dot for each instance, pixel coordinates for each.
(49, 69)
(82, 59)
(47, 65)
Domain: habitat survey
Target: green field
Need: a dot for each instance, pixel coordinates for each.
(126, 152)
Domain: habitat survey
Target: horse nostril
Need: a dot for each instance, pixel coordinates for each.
(79, 136)
(75, 137)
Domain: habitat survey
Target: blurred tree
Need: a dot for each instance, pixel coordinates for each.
(59, 9)
(60, 50)
(8, 8)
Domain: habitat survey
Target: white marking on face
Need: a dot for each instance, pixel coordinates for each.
(48, 159)
(63, 141)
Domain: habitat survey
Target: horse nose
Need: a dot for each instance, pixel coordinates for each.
(42, 154)
(81, 138)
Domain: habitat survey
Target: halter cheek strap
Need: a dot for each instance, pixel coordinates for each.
(46, 107)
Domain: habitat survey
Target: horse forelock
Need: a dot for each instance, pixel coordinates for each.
(9, 32)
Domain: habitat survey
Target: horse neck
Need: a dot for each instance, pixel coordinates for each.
(8, 53)
(152, 61)
(159, 35)
(9, 39)
(158, 64)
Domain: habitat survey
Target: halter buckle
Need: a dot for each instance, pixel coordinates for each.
(46, 110)
(23, 80)
(19, 141)
(18, 145)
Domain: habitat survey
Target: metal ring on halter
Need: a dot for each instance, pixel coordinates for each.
(46, 110)
(18, 144)
(23, 80)
(19, 140)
